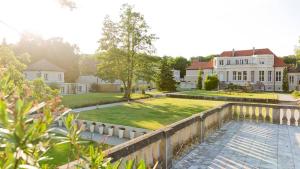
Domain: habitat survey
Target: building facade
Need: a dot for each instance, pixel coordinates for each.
(243, 67)
(53, 75)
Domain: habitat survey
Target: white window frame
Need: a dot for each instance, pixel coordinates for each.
(239, 76)
(245, 75)
(45, 76)
(261, 76)
(234, 75)
(269, 76)
(278, 76)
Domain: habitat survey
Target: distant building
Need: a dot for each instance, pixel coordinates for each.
(52, 74)
(242, 67)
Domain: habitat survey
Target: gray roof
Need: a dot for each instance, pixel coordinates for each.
(44, 65)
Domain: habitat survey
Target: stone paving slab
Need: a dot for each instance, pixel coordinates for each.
(246, 145)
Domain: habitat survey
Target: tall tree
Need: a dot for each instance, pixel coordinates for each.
(165, 79)
(123, 47)
(297, 53)
(55, 50)
(285, 81)
(181, 63)
(203, 58)
(290, 59)
(200, 80)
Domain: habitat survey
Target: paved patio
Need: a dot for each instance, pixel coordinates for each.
(246, 145)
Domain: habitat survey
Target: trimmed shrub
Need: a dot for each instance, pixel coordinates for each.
(211, 82)
(95, 87)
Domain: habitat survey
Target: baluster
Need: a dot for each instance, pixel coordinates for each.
(284, 117)
(276, 115)
(247, 112)
(235, 114)
(292, 120)
(253, 114)
(268, 118)
(298, 121)
(241, 112)
(260, 116)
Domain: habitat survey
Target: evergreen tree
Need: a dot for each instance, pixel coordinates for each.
(200, 79)
(165, 79)
(285, 82)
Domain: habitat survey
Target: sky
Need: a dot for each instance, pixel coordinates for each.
(184, 27)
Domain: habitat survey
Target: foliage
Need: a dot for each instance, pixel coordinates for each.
(55, 50)
(211, 82)
(42, 91)
(297, 53)
(180, 63)
(296, 94)
(88, 65)
(285, 80)
(124, 49)
(199, 82)
(290, 59)
(203, 58)
(165, 80)
(95, 87)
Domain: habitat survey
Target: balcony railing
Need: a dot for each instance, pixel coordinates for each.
(163, 145)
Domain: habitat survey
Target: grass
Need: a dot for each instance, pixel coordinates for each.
(150, 114)
(90, 99)
(260, 95)
(61, 155)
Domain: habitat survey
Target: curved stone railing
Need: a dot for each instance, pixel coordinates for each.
(162, 145)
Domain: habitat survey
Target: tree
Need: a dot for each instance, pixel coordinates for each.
(199, 82)
(181, 63)
(165, 79)
(124, 46)
(203, 58)
(211, 82)
(55, 50)
(297, 53)
(88, 65)
(285, 81)
(290, 59)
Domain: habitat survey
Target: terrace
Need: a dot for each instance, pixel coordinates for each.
(233, 135)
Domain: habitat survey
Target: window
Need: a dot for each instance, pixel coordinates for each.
(59, 77)
(237, 62)
(269, 76)
(252, 76)
(234, 75)
(261, 62)
(239, 75)
(291, 79)
(228, 62)
(261, 76)
(221, 62)
(241, 61)
(227, 76)
(278, 76)
(46, 76)
(245, 75)
(246, 61)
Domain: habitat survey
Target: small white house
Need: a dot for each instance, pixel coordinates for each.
(53, 74)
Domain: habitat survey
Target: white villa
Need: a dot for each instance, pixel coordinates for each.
(242, 67)
(53, 74)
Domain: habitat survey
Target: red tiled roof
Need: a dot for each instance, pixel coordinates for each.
(278, 62)
(196, 65)
(265, 51)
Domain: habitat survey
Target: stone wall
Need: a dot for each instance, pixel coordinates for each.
(223, 98)
(160, 147)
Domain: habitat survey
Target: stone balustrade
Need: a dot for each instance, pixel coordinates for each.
(163, 145)
(108, 129)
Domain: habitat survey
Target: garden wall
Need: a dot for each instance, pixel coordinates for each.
(223, 98)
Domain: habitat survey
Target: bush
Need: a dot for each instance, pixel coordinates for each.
(143, 91)
(54, 86)
(122, 89)
(296, 93)
(95, 87)
(211, 82)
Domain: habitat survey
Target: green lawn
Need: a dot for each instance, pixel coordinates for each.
(260, 95)
(89, 99)
(151, 114)
(61, 155)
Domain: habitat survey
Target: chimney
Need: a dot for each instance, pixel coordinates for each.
(253, 51)
(232, 51)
